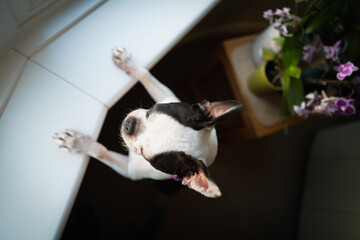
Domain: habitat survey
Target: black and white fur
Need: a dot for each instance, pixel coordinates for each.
(171, 139)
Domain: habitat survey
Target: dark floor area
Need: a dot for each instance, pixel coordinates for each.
(261, 180)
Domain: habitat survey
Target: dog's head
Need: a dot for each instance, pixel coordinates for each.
(179, 139)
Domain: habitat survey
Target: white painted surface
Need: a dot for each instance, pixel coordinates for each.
(44, 28)
(24, 9)
(8, 27)
(65, 86)
(11, 67)
(148, 29)
(37, 180)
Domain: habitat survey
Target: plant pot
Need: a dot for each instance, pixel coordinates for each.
(264, 40)
(259, 82)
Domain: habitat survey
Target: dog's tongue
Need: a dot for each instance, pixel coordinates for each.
(176, 178)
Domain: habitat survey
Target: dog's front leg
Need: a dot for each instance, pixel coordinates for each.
(74, 142)
(158, 91)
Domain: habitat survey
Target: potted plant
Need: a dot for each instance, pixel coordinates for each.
(316, 66)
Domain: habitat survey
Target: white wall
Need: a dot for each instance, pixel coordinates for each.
(8, 27)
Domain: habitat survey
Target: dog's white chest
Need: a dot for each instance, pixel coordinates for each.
(162, 134)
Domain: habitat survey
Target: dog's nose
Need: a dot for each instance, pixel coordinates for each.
(129, 125)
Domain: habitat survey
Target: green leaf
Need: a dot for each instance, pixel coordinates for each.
(311, 6)
(293, 94)
(294, 71)
(324, 16)
(279, 41)
(299, 1)
(291, 51)
(268, 54)
(353, 50)
(285, 91)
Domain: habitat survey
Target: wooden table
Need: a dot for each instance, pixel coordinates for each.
(261, 114)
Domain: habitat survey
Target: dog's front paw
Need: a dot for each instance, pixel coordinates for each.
(72, 141)
(123, 59)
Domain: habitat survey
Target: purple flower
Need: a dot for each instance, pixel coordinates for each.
(302, 111)
(344, 107)
(269, 15)
(332, 52)
(345, 70)
(278, 19)
(308, 51)
(278, 25)
(326, 107)
(313, 99)
(283, 13)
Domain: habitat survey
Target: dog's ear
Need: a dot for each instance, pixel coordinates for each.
(216, 111)
(197, 116)
(201, 183)
(192, 171)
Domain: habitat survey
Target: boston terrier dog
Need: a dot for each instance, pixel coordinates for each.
(171, 140)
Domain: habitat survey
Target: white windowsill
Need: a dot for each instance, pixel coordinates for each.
(59, 74)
